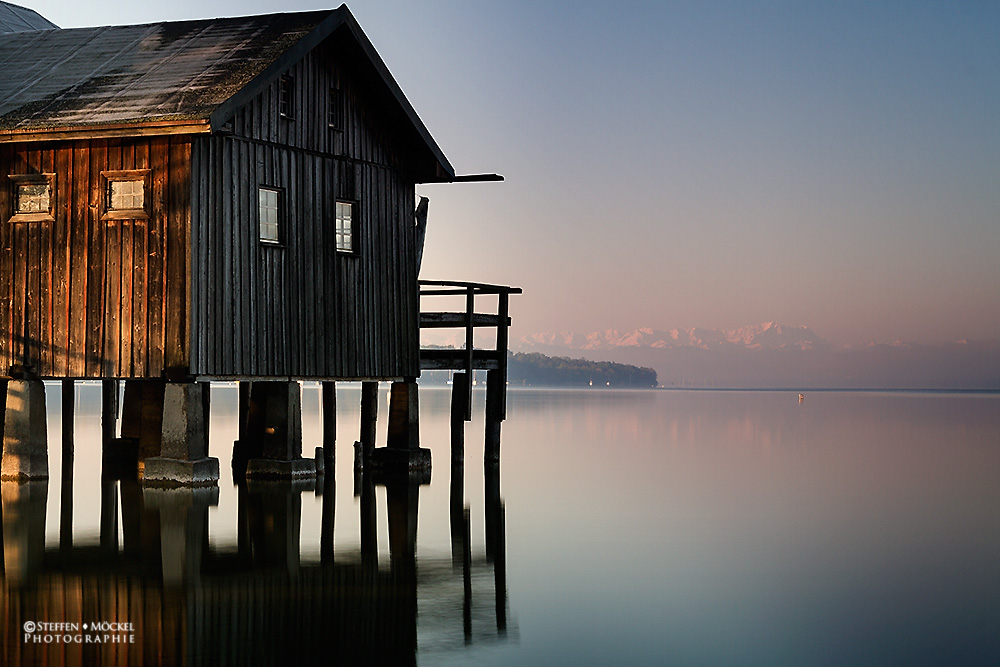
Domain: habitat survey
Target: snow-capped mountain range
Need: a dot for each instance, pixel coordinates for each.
(777, 355)
(769, 336)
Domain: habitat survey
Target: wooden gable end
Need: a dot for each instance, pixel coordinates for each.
(299, 307)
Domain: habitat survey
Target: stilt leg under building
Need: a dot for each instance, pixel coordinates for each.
(66, 483)
(461, 411)
(274, 432)
(496, 391)
(329, 399)
(183, 458)
(142, 419)
(25, 438)
(369, 417)
(402, 452)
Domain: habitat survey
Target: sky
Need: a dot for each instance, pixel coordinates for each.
(709, 164)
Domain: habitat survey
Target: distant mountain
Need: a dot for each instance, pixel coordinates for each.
(769, 336)
(772, 355)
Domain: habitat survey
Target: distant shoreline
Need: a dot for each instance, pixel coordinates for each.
(790, 390)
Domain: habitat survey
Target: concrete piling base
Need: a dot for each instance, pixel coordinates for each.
(273, 437)
(25, 439)
(183, 459)
(402, 453)
(160, 471)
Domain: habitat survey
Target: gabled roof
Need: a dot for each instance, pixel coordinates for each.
(19, 19)
(177, 77)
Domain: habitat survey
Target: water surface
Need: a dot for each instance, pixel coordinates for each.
(629, 528)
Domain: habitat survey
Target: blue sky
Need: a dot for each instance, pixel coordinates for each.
(709, 164)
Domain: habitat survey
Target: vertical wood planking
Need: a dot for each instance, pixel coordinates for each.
(46, 230)
(79, 218)
(95, 305)
(6, 269)
(140, 282)
(112, 281)
(159, 154)
(176, 261)
(62, 255)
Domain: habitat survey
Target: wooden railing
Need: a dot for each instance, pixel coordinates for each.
(469, 359)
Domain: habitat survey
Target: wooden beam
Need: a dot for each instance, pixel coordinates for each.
(455, 320)
(106, 131)
(452, 359)
(477, 178)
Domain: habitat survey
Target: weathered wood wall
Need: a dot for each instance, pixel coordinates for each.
(84, 297)
(301, 309)
(192, 286)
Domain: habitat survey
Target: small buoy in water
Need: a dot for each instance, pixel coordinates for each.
(801, 398)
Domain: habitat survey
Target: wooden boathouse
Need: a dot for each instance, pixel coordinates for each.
(224, 199)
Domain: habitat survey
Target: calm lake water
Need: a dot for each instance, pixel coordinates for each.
(625, 528)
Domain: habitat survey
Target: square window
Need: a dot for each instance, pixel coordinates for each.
(125, 194)
(33, 197)
(270, 214)
(344, 227)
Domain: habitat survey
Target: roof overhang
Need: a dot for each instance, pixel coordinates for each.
(105, 131)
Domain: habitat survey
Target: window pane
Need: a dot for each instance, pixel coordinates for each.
(344, 225)
(286, 97)
(33, 198)
(125, 195)
(268, 214)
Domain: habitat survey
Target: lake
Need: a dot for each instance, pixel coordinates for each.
(624, 527)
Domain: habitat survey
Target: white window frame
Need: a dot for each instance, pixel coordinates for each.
(270, 219)
(344, 227)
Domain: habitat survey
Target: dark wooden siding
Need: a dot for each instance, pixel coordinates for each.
(85, 297)
(301, 309)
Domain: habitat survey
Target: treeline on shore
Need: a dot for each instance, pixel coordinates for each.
(531, 369)
(534, 369)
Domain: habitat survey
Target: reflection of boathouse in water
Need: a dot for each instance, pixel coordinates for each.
(190, 604)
